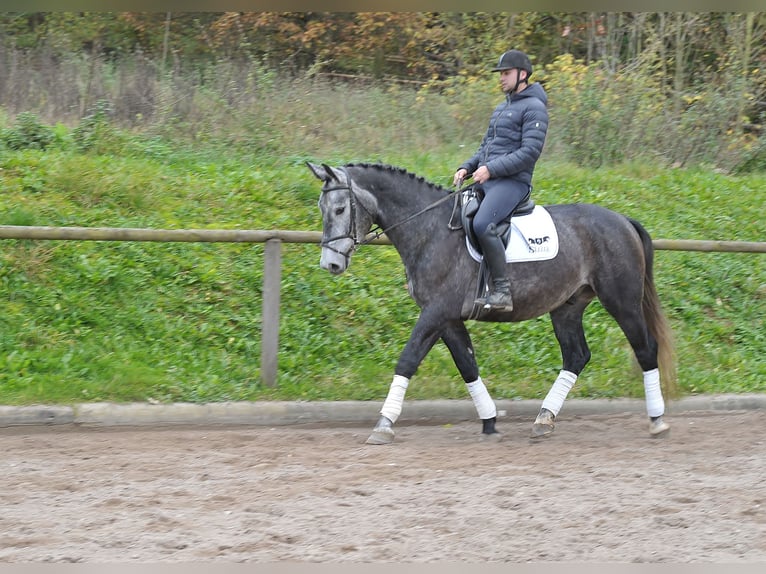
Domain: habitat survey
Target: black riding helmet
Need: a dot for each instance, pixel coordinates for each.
(514, 59)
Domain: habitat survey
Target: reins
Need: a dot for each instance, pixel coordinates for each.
(377, 232)
(380, 232)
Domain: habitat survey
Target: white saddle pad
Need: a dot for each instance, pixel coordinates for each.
(533, 238)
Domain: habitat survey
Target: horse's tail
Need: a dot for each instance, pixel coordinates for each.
(656, 320)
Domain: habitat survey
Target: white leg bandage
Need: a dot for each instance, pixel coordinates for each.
(554, 400)
(392, 407)
(485, 406)
(655, 404)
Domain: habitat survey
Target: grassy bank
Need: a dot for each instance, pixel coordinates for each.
(99, 321)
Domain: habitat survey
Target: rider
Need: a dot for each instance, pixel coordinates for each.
(504, 163)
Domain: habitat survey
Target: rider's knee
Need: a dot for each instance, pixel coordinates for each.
(483, 229)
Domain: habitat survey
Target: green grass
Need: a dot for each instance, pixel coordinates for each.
(110, 321)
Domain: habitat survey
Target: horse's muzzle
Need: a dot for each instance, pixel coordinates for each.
(333, 261)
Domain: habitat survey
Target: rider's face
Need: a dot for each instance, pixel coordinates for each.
(509, 78)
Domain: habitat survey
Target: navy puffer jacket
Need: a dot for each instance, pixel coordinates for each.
(515, 137)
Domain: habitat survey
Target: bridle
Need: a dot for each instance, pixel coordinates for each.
(351, 233)
(376, 232)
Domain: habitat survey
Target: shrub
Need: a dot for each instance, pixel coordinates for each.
(754, 160)
(95, 132)
(28, 133)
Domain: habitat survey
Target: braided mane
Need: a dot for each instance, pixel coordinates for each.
(385, 168)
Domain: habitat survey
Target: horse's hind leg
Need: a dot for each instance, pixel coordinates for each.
(567, 325)
(631, 321)
(458, 341)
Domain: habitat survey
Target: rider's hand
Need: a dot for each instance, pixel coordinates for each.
(481, 175)
(459, 177)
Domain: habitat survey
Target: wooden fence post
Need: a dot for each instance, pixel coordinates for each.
(272, 277)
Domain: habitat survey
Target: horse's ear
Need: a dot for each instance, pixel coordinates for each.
(318, 171)
(330, 172)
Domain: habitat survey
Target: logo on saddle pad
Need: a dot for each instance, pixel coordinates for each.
(533, 237)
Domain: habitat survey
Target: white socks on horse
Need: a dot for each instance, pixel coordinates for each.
(392, 407)
(554, 400)
(655, 404)
(485, 406)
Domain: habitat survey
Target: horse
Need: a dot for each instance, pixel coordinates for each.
(601, 254)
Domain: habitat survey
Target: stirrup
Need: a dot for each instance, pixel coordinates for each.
(496, 300)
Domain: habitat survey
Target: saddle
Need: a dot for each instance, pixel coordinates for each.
(466, 205)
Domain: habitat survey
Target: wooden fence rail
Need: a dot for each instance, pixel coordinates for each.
(272, 263)
(261, 236)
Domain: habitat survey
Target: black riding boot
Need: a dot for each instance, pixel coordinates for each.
(494, 255)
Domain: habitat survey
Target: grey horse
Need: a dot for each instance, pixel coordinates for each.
(601, 254)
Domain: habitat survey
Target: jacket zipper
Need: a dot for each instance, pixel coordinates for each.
(494, 130)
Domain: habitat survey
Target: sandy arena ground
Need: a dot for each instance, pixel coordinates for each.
(599, 490)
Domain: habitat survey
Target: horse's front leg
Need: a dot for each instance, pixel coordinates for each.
(427, 331)
(458, 342)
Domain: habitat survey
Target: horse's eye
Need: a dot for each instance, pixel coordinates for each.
(339, 210)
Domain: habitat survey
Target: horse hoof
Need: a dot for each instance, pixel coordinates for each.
(658, 428)
(540, 430)
(381, 436)
(491, 437)
(544, 424)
